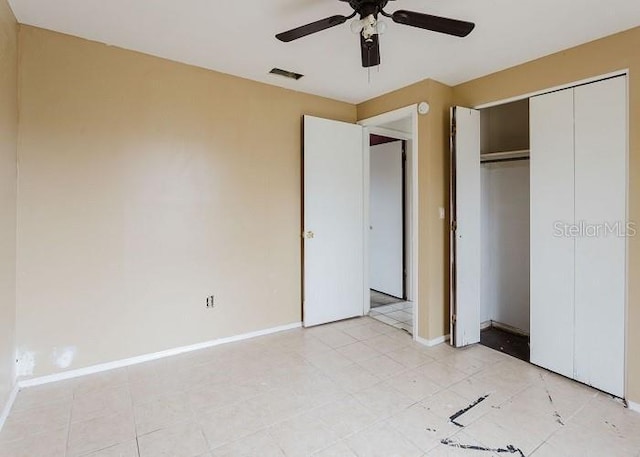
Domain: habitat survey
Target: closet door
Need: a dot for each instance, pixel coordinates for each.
(601, 181)
(552, 253)
(465, 205)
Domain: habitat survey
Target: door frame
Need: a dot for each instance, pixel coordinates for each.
(372, 125)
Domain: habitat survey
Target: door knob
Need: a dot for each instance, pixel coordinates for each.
(308, 235)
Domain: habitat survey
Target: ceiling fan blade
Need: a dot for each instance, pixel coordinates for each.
(314, 27)
(370, 51)
(434, 23)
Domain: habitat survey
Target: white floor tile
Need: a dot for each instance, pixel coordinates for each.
(162, 412)
(302, 436)
(345, 416)
(383, 400)
(336, 450)
(382, 366)
(100, 433)
(48, 444)
(414, 385)
(382, 441)
(358, 352)
(184, 440)
(260, 444)
(356, 388)
(129, 449)
(25, 423)
(421, 427)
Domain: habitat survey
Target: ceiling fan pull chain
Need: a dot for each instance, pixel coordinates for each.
(369, 68)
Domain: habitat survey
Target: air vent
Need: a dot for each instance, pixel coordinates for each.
(286, 74)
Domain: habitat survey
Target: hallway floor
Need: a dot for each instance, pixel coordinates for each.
(392, 311)
(356, 388)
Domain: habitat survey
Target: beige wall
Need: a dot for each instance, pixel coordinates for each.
(433, 182)
(617, 52)
(8, 147)
(145, 186)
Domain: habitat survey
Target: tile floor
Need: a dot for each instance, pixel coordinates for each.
(380, 299)
(357, 388)
(399, 315)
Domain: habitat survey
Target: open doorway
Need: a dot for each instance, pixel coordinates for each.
(387, 232)
(336, 219)
(391, 215)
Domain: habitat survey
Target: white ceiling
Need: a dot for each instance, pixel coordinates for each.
(237, 37)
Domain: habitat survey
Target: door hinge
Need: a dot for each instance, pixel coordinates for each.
(454, 318)
(454, 226)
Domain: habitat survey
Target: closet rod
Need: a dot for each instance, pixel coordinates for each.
(513, 159)
(506, 156)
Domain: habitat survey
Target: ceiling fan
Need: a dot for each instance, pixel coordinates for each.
(369, 26)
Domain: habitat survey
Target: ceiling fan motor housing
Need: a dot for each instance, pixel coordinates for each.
(367, 7)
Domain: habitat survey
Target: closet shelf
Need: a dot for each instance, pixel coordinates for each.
(505, 155)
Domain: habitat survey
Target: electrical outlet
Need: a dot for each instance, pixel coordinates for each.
(211, 301)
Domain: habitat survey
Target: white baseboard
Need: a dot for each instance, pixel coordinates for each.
(149, 357)
(7, 407)
(433, 342)
(509, 328)
(634, 406)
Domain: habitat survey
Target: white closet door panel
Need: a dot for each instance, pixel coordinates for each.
(600, 136)
(468, 230)
(552, 256)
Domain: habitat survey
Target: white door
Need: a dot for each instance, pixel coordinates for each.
(334, 279)
(600, 171)
(386, 256)
(552, 249)
(466, 233)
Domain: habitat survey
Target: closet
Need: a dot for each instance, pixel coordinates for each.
(540, 229)
(504, 183)
(578, 224)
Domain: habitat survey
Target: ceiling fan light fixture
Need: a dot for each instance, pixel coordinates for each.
(369, 26)
(381, 27)
(356, 26)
